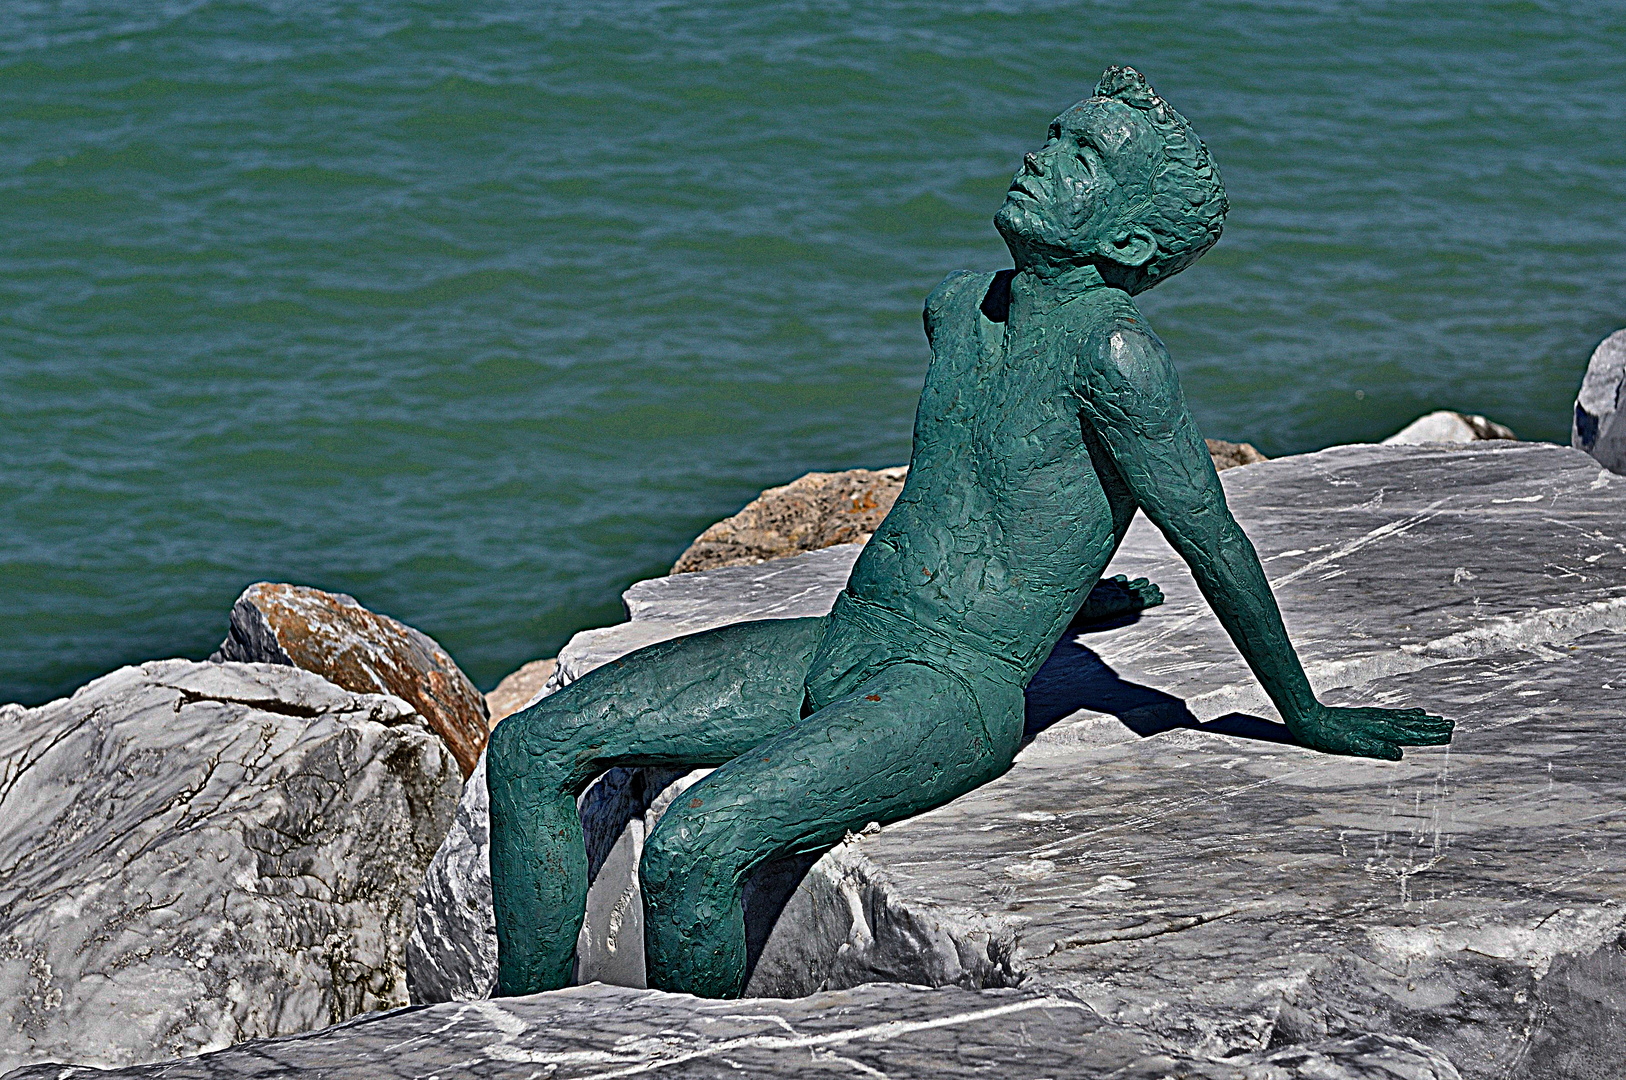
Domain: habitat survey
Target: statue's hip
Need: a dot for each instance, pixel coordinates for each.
(863, 638)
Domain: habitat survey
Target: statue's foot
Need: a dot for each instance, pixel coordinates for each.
(1116, 597)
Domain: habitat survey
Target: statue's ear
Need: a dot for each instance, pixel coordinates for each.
(1134, 247)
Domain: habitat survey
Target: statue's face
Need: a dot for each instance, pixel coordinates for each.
(1066, 205)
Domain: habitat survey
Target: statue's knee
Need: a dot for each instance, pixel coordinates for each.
(676, 859)
(527, 745)
(665, 857)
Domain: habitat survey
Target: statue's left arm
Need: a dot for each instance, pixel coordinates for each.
(1132, 403)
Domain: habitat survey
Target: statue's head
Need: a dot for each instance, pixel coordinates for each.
(1122, 184)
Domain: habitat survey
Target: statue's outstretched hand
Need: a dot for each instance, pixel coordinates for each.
(1116, 597)
(1374, 733)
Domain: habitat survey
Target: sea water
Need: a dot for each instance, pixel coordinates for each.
(481, 311)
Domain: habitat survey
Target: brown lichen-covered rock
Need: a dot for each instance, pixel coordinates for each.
(820, 510)
(519, 688)
(815, 511)
(1229, 455)
(335, 637)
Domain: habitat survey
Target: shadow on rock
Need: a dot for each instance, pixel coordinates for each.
(1075, 678)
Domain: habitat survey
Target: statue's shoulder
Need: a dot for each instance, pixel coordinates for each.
(964, 294)
(1116, 328)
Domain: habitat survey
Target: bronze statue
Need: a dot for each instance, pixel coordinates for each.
(1050, 413)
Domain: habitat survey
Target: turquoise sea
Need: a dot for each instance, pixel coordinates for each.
(481, 311)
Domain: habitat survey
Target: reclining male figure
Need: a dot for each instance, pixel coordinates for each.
(1050, 413)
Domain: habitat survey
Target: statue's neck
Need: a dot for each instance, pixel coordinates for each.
(1036, 290)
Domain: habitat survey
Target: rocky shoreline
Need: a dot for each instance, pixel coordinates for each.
(281, 839)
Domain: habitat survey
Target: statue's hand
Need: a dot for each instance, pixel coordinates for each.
(1117, 596)
(1375, 733)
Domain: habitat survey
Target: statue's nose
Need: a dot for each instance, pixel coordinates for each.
(1032, 162)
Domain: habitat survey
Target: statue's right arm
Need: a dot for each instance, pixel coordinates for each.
(1131, 401)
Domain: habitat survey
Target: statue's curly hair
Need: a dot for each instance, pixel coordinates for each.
(1186, 201)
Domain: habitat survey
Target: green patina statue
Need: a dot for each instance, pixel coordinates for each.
(1050, 413)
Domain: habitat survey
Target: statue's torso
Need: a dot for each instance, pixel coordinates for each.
(1003, 525)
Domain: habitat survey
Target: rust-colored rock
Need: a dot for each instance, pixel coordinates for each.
(333, 636)
(815, 511)
(1228, 455)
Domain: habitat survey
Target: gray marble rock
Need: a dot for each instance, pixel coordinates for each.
(1447, 426)
(1598, 426)
(1162, 851)
(451, 953)
(896, 1032)
(192, 855)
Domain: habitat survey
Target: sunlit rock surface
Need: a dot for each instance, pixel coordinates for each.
(519, 688)
(192, 855)
(1447, 426)
(667, 607)
(898, 1032)
(1162, 852)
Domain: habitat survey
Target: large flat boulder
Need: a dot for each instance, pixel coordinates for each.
(897, 1032)
(361, 650)
(1162, 851)
(668, 607)
(192, 855)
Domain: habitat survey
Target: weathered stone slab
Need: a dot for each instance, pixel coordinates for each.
(1160, 850)
(196, 854)
(898, 1032)
(334, 636)
(1599, 426)
(1227, 890)
(1386, 559)
(668, 607)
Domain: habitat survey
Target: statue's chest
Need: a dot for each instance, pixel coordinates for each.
(1002, 390)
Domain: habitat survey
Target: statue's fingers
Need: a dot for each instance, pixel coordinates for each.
(1421, 729)
(1375, 748)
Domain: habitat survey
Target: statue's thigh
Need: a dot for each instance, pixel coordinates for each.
(694, 700)
(910, 738)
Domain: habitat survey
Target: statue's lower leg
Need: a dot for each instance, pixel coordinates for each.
(909, 739)
(699, 700)
(537, 836)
